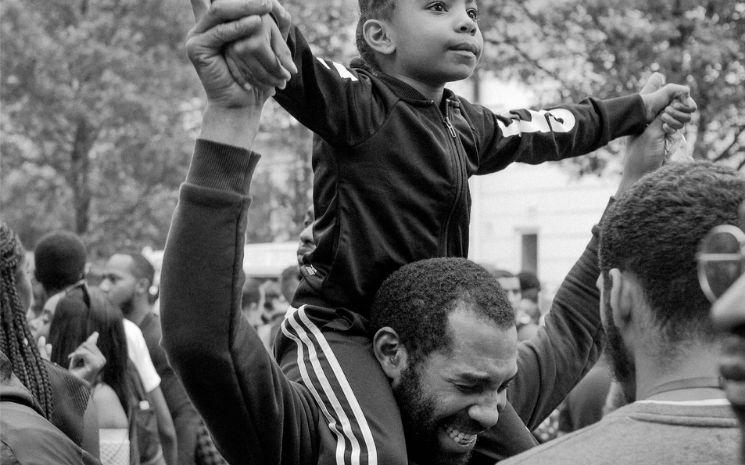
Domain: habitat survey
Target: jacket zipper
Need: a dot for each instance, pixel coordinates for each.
(458, 176)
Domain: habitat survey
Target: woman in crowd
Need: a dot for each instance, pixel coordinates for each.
(57, 395)
(80, 313)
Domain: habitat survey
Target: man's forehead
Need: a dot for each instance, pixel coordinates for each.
(478, 347)
(119, 264)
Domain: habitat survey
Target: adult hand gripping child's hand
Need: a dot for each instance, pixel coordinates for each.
(671, 102)
(646, 152)
(217, 25)
(263, 59)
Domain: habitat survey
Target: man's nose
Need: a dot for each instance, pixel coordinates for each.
(105, 285)
(486, 410)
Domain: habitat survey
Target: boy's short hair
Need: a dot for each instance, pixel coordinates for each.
(371, 9)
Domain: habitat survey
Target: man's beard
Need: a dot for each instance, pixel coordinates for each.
(618, 355)
(420, 425)
(127, 306)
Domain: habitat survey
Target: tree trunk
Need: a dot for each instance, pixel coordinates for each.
(79, 174)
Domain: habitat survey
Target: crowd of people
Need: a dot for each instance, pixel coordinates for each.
(385, 344)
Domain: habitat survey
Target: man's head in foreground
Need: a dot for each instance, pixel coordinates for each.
(653, 310)
(445, 336)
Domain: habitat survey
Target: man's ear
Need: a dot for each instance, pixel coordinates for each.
(390, 353)
(142, 286)
(625, 293)
(377, 36)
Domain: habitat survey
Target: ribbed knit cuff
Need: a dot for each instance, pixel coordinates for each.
(223, 167)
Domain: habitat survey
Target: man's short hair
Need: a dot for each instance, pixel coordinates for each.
(59, 260)
(417, 299)
(141, 267)
(528, 280)
(653, 231)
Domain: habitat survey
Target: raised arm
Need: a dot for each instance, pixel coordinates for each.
(551, 364)
(254, 414)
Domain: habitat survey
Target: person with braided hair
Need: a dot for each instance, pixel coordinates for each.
(41, 403)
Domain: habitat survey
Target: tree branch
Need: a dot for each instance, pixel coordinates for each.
(726, 152)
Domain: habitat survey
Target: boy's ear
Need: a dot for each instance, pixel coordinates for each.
(390, 353)
(377, 36)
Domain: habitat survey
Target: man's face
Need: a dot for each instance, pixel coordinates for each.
(512, 287)
(119, 283)
(616, 351)
(448, 398)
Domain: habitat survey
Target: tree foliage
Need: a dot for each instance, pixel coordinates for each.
(100, 106)
(94, 98)
(573, 48)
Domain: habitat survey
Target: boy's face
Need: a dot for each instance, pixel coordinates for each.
(436, 41)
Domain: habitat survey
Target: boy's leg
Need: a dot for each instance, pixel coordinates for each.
(331, 355)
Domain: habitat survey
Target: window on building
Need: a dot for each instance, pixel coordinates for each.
(529, 258)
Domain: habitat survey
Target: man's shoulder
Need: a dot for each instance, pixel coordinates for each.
(636, 434)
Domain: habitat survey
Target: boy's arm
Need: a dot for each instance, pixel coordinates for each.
(253, 412)
(575, 129)
(334, 101)
(550, 364)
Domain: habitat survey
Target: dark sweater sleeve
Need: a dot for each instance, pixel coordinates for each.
(563, 351)
(553, 361)
(254, 413)
(556, 133)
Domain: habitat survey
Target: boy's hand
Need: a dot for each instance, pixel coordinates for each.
(674, 116)
(263, 59)
(218, 24)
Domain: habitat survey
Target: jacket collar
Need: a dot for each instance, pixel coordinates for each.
(408, 93)
(11, 388)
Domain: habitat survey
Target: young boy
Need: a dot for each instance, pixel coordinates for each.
(391, 167)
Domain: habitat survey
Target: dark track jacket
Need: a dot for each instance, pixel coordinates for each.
(391, 167)
(254, 413)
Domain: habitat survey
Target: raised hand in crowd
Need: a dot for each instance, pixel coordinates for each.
(233, 108)
(87, 360)
(646, 152)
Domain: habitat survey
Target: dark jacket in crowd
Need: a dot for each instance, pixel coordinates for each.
(25, 435)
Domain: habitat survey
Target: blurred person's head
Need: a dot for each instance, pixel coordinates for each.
(273, 303)
(444, 334)
(652, 307)
(530, 285)
(250, 298)
(128, 283)
(307, 243)
(511, 285)
(288, 281)
(16, 341)
(79, 313)
(59, 259)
